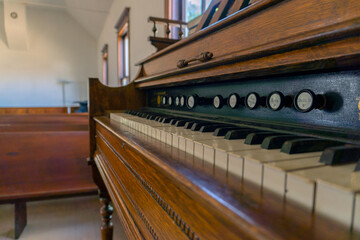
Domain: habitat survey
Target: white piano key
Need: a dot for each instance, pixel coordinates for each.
(357, 214)
(153, 132)
(182, 143)
(300, 189)
(198, 150)
(254, 161)
(235, 164)
(189, 147)
(163, 136)
(335, 195)
(275, 173)
(158, 134)
(221, 159)
(327, 189)
(198, 137)
(213, 144)
(209, 154)
(175, 140)
(192, 139)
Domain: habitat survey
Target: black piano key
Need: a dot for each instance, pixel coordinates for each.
(304, 145)
(159, 119)
(239, 134)
(276, 142)
(257, 138)
(180, 123)
(340, 155)
(196, 126)
(211, 128)
(151, 117)
(189, 124)
(166, 119)
(223, 130)
(156, 118)
(174, 120)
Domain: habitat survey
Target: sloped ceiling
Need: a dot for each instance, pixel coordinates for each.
(91, 14)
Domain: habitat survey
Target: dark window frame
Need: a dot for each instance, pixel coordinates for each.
(105, 65)
(123, 30)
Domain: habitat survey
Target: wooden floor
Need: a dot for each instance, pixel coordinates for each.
(69, 218)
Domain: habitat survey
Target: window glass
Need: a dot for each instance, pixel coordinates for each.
(126, 55)
(192, 9)
(207, 3)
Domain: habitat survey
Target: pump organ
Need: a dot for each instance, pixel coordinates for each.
(259, 139)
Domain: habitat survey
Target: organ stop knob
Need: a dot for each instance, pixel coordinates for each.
(163, 100)
(218, 102)
(252, 100)
(306, 100)
(182, 101)
(276, 101)
(170, 101)
(233, 100)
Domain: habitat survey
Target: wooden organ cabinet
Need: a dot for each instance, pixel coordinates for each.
(247, 129)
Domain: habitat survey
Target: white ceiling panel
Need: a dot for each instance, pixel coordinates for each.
(90, 14)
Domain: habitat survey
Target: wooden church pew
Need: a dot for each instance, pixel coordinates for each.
(42, 157)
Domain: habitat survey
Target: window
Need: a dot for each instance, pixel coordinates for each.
(105, 65)
(123, 40)
(185, 10)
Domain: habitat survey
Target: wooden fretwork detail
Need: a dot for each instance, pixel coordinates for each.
(106, 212)
(163, 42)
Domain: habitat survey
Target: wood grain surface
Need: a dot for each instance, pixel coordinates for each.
(269, 37)
(210, 202)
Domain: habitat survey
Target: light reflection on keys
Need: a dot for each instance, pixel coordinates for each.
(275, 173)
(216, 151)
(329, 188)
(254, 161)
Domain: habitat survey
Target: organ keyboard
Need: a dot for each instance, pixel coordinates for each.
(260, 141)
(266, 168)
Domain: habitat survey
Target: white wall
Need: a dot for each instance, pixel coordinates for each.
(140, 30)
(59, 49)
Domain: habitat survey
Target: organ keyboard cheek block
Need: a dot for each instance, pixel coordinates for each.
(259, 141)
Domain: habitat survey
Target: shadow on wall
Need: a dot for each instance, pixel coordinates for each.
(2, 25)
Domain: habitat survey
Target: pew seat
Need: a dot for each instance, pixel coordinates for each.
(42, 157)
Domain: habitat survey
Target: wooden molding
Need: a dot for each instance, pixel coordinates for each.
(124, 17)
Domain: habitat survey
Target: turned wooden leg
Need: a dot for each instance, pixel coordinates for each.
(20, 218)
(106, 212)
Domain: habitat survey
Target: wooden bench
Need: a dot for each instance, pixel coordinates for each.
(36, 110)
(42, 157)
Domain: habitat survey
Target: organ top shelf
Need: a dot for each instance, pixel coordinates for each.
(264, 38)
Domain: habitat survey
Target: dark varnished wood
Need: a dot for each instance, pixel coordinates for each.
(258, 41)
(161, 42)
(106, 213)
(103, 99)
(220, 202)
(20, 217)
(36, 110)
(152, 184)
(23, 119)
